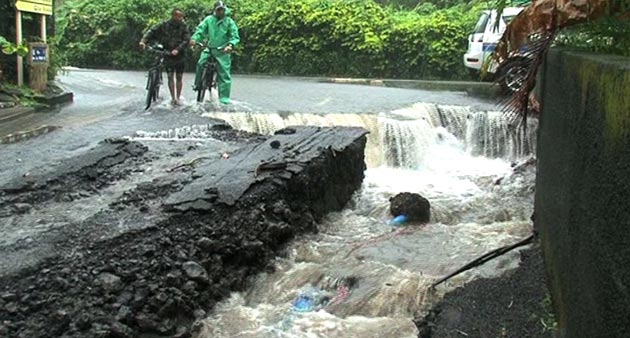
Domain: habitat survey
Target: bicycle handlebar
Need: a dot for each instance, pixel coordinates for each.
(199, 44)
(158, 49)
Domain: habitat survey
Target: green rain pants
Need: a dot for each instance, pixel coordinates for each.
(224, 76)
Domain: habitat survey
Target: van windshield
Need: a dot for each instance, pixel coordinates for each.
(508, 18)
(481, 24)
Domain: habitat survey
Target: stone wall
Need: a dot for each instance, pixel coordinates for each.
(583, 192)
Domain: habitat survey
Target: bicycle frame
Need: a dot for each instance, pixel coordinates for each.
(208, 75)
(154, 78)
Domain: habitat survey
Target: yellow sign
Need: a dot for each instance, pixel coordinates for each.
(35, 6)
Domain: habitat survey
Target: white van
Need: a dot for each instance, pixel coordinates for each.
(483, 40)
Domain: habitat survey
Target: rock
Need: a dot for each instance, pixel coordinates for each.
(22, 207)
(200, 314)
(221, 127)
(173, 278)
(286, 131)
(124, 314)
(120, 330)
(195, 271)
(182, 332)
(146, 323)
(414, 206)
(110, 282)
(190, 287)
(83, 322)
(275, 144)
(168, 309)
(205, 244)
(9, 297)
(4, 331)
(11, 308)
(63, 317)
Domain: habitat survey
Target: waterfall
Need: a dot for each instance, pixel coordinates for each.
(402, 138)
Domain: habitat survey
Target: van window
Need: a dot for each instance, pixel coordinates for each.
(481, 24)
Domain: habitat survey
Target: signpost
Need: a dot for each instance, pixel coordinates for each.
(43, 7)
(35, 6)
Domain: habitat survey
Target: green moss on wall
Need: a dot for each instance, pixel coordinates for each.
(612, 88)
(617, 103)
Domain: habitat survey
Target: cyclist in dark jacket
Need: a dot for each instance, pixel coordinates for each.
(174, 36)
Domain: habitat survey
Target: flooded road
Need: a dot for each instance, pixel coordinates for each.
(110, 104)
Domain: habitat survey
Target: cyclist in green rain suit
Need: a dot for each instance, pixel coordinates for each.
(221, 33)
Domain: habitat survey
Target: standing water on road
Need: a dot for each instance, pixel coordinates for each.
(362, 277)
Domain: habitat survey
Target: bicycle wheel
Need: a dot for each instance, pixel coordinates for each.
(211, 78)
(150, 90)
(158, 82)
(201, 92)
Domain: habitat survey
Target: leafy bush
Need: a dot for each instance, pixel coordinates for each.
(9, 48)
(300, 37)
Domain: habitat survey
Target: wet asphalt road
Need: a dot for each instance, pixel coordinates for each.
(110, 104)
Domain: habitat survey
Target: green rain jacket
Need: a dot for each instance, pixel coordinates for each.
(217, 33)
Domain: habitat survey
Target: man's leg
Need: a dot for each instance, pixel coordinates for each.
(224, 77)
(200, 64)
(179, 74)
(171, 84)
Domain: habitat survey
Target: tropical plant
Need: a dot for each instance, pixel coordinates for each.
(10, 48)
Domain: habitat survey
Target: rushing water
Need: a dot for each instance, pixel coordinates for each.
(362, 277)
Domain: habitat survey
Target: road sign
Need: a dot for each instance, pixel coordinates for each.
(35, 6)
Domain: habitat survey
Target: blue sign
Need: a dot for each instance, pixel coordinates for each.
(39, 54)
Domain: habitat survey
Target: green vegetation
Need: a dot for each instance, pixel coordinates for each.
(9, 48)
(300, 37)
(355, 38)
(608, 35)
(548, 319)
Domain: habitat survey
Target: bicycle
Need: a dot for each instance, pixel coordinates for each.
(154, 78)
(208, 76)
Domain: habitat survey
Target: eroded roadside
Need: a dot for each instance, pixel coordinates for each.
(141, 238)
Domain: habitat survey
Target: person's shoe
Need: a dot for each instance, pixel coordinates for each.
(225, 101)
(174, 102)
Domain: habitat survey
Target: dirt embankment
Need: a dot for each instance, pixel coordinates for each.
(512, 306)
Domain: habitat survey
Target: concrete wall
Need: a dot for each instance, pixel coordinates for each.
(583, 192)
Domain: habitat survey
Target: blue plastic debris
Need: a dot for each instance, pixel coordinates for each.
(399, 220)
(309, 299)
(303, 303)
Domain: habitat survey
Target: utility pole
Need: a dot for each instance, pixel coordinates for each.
(18, 40)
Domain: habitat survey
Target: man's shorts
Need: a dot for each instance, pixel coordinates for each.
(174, 65)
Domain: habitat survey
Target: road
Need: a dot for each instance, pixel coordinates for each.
(110, 104)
